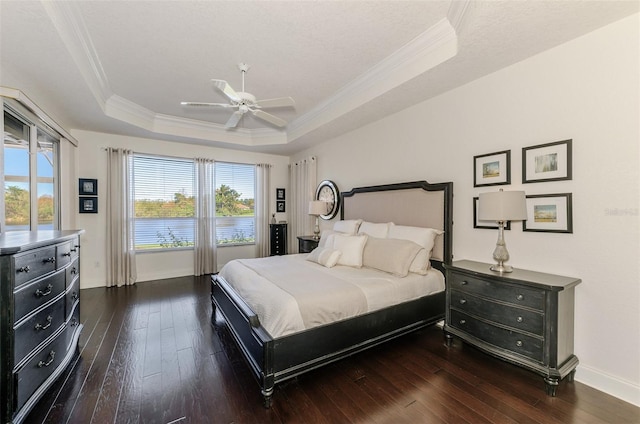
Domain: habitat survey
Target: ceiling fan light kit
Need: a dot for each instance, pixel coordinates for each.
(245, 102)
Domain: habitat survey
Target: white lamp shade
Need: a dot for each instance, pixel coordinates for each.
(502, 206)
(317, 207)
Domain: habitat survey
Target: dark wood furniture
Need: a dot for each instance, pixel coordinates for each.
(307, 243)
(278, 233)
(275, 360)
(40, 327)
(524, 317)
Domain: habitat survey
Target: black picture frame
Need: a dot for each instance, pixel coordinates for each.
(87, 187)
(547, 162)
(492, 169)
(280, 206)
(280, 194)
(489, 225)
(88, 204)
(549, 213)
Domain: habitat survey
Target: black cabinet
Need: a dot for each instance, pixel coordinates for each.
(40, 326)
(307, 243)
(278, 239)
(524, 317)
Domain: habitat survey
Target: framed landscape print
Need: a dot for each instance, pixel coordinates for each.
(547, 162)
(549, 213)
(88, 205)
(492, 169)
(87, 187)
(492, 225)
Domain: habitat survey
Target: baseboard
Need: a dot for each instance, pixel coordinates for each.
(614, 386)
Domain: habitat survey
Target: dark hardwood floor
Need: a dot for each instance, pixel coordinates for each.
(151, 354)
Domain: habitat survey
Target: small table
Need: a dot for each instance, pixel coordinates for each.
(307, 243)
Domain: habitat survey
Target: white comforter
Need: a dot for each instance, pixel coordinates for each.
(276, 288)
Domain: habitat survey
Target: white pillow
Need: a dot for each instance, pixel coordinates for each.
(347, 226)
(324, 256)
(326, 238)
(351, 248)
(424, 237)
(374, 230)
(390, 255)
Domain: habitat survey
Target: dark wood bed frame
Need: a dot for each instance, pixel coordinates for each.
(276, 360)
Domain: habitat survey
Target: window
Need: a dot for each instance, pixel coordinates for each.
(164, 204)
(30, 160)
(235, 203)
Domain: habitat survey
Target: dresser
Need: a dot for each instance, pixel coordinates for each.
(307, 243)
(523, 317)
(40, 327)
(278, 239)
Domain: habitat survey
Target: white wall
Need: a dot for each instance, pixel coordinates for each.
(586, 90)
(157, 265)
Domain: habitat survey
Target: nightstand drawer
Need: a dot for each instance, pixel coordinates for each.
(518, 318)
(510, 293)
(513, 341)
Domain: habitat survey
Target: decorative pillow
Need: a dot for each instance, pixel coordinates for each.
(324, 256)
(326, 238)
(347, 226)
(374, 230)
(351, 248)
(424, 237)
(390, 255)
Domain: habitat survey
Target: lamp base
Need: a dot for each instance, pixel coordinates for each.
(501, 268)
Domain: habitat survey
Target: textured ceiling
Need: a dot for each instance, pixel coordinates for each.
(124, 66)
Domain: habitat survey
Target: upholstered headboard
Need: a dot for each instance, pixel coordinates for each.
(417, 204)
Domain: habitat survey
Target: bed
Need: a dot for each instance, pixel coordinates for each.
(274, 359)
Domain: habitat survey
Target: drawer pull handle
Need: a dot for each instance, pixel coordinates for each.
(40, 293)
(463, 301)
(519, 343)
(74, 296)
(74, 322)
(74, 270)
(519, 319)
(47, 325)
(464, 283)
(24, 269)
(520, 297)
(67, 254)
(74, 249)
(463, 321)
(49, 261)
(51, 357)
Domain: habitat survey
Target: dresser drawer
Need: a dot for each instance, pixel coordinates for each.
(33, 264)
(513, 341)
(518, 318)
(37, 329)
(33, 295)
(511, 293)
(73, 294)
(42, 365)
(64, 253)
(73, 271)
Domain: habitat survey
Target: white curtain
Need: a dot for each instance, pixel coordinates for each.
(303, 183)
(121, 254)
(205, 238)
(263, 208)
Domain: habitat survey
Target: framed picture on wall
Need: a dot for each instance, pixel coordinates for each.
(88, 205)
(280, 206)
(280, 194)
(87, 187)
(547, 162)
(491, 225)
(492, 169)
(549, 213)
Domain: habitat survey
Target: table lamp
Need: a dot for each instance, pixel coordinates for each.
(317, 208)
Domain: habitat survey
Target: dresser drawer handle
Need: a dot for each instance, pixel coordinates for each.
(520, 297)
(519, 343)
(74, 270)
(49, 261)
(51, 357)
(40, 293)
(463, 321)
(74, 249)
(67, 254)
(519, 319)
(44, 327)
(24, 269)
(463, 301)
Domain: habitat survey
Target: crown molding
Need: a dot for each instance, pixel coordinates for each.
(456, 13)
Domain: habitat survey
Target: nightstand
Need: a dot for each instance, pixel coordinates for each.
(278, 239)
(307, 243)
(523, 317)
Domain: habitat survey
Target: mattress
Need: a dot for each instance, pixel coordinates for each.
(290, 294)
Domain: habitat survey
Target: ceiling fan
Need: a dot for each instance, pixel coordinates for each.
(245, 102)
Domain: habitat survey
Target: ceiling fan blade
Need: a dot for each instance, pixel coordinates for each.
(235, 118)
(269, 118)
(226, 90)
(279, 102)
(203, 104)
